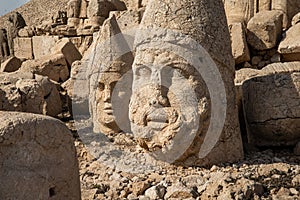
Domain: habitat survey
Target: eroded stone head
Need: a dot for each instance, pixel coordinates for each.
(164, 101)
(108, 66)
(182, 65)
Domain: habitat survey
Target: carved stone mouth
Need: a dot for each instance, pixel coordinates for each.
(159, 118)
(108, 109)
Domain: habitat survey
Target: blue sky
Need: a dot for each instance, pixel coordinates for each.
(9, 5)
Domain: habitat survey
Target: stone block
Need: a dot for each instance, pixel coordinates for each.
(240, 50)
(271, 102)
(54, 66)
(296, 19)
(77, 41)
(239, 10)
(264, 29)
(289, 47)
(68, 49)
(128, 19)
(11, 65)
(23, 48)
(99, 8)
(42, 45)
(26, 92)
(285, 7)
(264, 5)
(73, 22)
(38, 158)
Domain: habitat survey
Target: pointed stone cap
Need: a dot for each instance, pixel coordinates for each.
(203, 20)
(111, 51)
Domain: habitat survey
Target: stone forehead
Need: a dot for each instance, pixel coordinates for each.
(151, 57)
(149, 54)
(204, 21)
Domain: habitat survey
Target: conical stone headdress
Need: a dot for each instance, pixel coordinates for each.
(203, 20)
(111, 52)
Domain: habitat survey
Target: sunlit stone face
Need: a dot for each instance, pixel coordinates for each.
(164, 104)
(104, 109)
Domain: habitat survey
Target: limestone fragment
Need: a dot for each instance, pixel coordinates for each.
(239, 11)
(38, 158)
(67, 48)
(289, 47)
(10, 65)
(271, 103)
(23, 48)
(239, 44)
(264, 29)
(42, 45)
(24, 92)
(54, 66)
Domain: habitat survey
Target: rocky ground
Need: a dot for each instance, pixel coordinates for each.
(262, 174)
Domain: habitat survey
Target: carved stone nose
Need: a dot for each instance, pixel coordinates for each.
(156, 77)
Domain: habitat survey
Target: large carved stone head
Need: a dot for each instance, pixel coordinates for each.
(108, 66)
(179, 47)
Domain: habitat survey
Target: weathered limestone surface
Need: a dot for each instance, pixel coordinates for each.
(54, 66)
(42, 45)
(10, 65)
(38, 158)
(164, 114)
(264, 5)
(239, 10)
(289, 47)
(240, 50)
(241, 76)
(128, 19)
(272, 105)
(68, 49)
(78, 99)
(104, 77)
(25, 92)
(23, 48)
(244, 10)
(264, 29)
(16, 22)
(73, 8)
(99, 8)
(27, 31)
(285, 7)
(296, 19)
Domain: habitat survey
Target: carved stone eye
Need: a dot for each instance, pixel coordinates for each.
(101, 86)
(113, 84)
